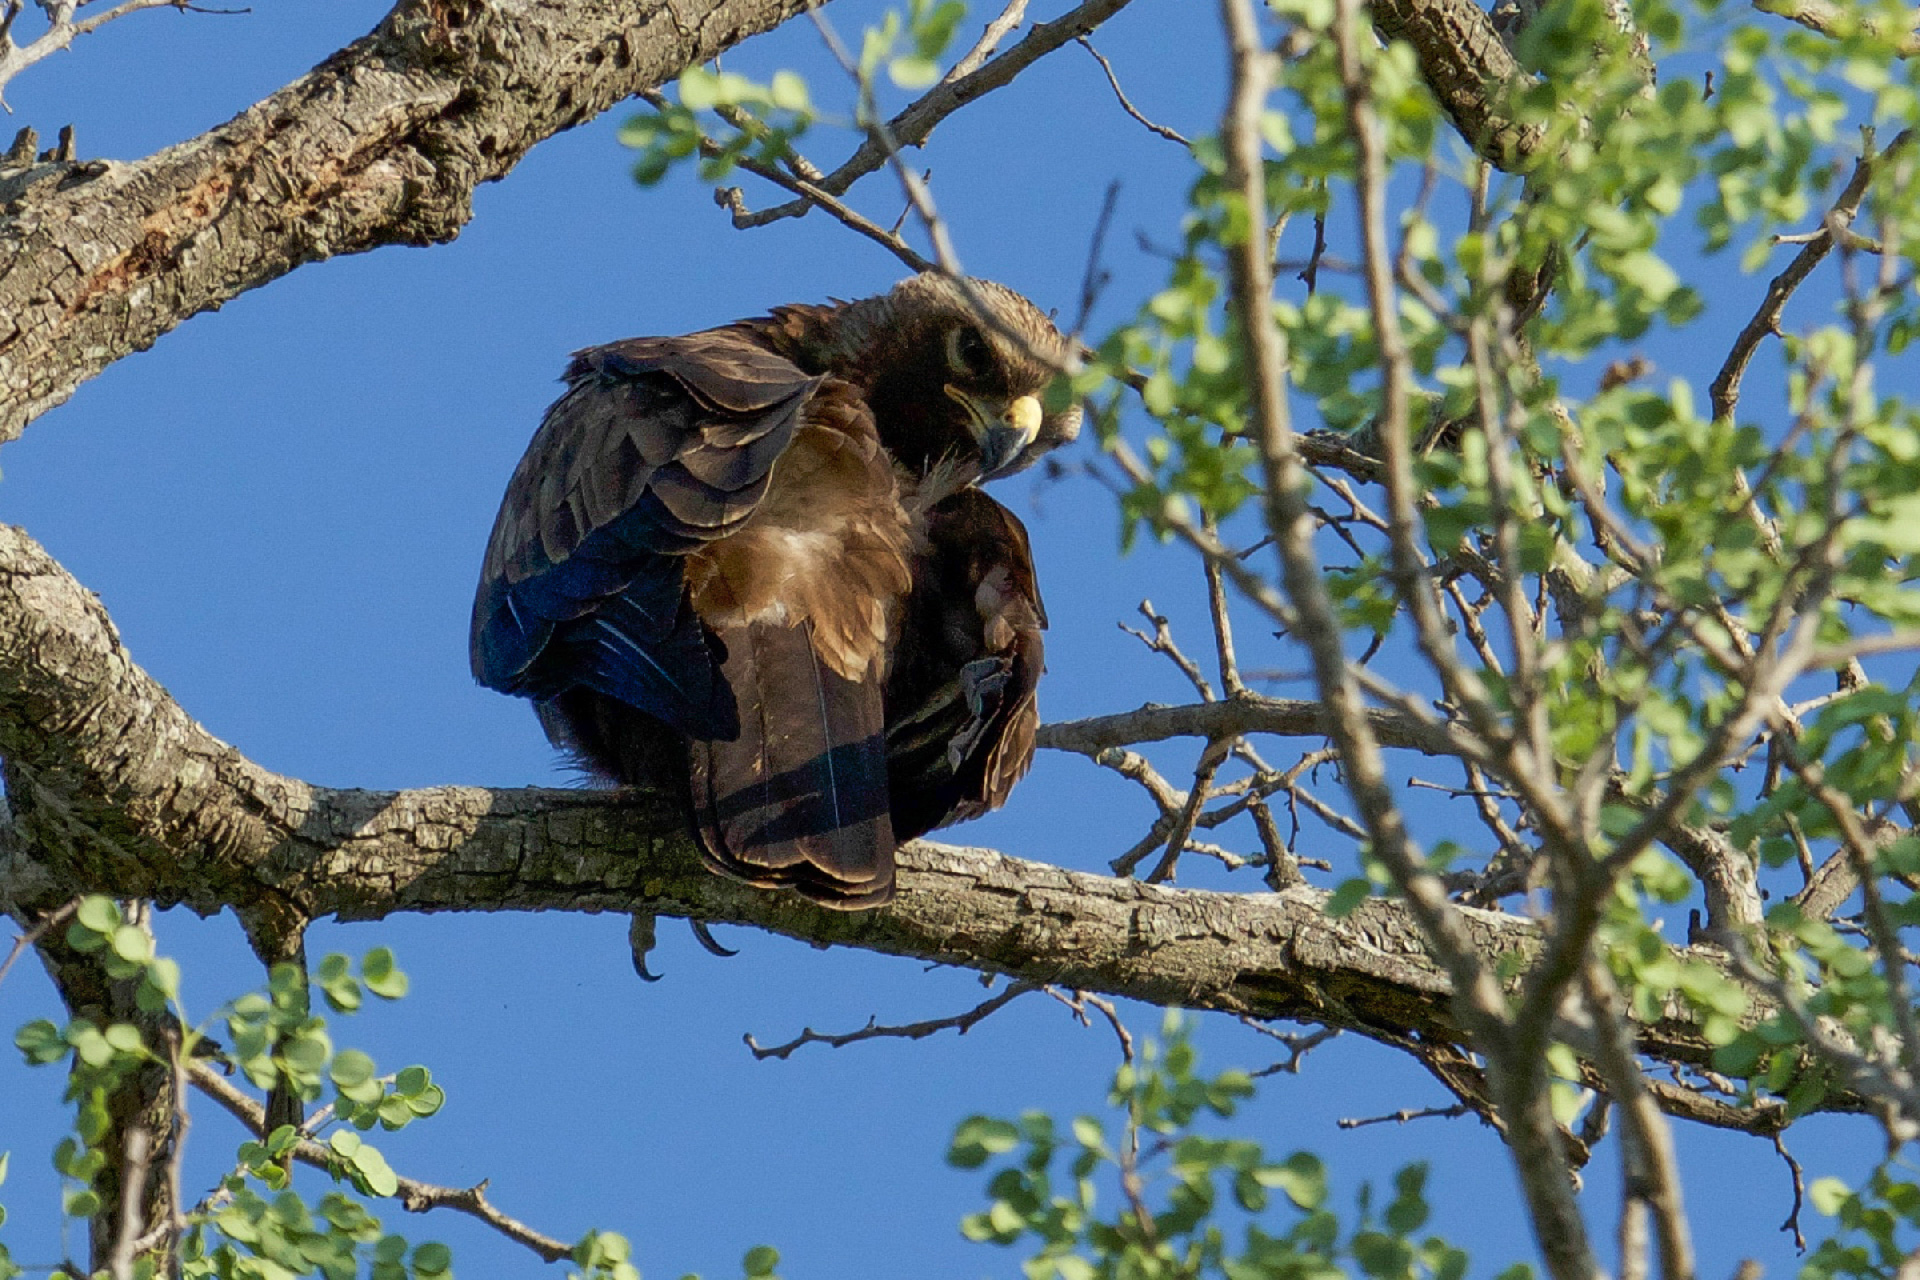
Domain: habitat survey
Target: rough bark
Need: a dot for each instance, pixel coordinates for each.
(116, 790)
(382, 143)
(1468, 67)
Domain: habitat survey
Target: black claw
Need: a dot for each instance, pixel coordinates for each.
(708, 941)
(640, 938)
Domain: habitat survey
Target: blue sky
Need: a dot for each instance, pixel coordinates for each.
(283, 505)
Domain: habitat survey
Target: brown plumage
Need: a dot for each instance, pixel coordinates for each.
(960, 699)
(749, 564)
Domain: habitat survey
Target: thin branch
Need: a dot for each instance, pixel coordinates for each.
(1648, 1168)
(62, 31)
(1298, 1046)
(997, 30)
(414, 1196)
(1210, 761)
(1725, 390)
(1795, 1173)
(912, 126)
(1171, 135)
(39, 930)
(1162, 642)
(959, 1022)
(1406, 1115)
(1831, 19)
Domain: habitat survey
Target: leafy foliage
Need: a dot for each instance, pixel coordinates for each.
(256, 1224)
(1177, 1183)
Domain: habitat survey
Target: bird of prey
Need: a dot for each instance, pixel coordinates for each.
(750, 565)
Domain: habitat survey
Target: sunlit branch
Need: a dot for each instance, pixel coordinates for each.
(1831, 19)
(1649, 1171)
(911, 127)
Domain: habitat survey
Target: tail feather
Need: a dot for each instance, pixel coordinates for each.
(799, 796)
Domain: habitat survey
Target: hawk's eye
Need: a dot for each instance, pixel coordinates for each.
(967, 351)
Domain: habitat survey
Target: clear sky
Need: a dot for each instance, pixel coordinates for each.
(283, 505)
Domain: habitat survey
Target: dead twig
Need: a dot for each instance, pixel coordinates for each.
(1171, 135)
(959, 1022)
(1407, 1115)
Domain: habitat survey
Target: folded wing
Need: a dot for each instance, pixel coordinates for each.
(694, 573)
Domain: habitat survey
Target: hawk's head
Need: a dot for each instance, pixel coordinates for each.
(958, 370)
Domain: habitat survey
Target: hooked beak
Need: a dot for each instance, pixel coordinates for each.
(1004, 436)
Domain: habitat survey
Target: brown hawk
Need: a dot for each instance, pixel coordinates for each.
(750, 565)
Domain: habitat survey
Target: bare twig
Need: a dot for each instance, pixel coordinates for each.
(1648, 1168)
(1298, 1046)
(1725, 390)
(39, 930)
(1210, 761)
(1792, 1222)
(1094, 279)
(1407, 1115)
(1171, 135)
(1010, 17)
(911, 127)
(959, 1022)
(63, 28)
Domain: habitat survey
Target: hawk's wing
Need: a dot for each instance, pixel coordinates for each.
(659, 447)
(706, 535)
(960, 702)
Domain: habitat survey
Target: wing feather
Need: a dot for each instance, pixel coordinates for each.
(658, 446)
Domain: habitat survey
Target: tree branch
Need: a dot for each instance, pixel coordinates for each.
(383, 143)
(915, 124)
(116, 790)
(414, 1196)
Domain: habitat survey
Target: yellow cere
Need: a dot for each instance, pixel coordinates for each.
(1023, 415)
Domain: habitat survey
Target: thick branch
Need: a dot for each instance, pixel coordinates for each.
(1468, 68)
(117, 790)
(383, 143)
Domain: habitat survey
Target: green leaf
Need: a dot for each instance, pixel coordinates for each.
(41, 1042)
(350, 1068)
(372, 1167)
(164, 974)
(760, 1261)
(978, 1137)
(307, 1050)
(1301, 1177)
(382, 976)
(125, 1038)
(432, 1259)
(98, 914)
(789, 92)
(1828, 1195)
(913, 71)
(1348, 897)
